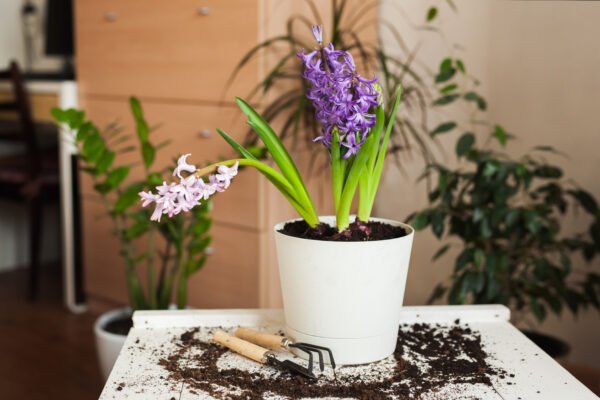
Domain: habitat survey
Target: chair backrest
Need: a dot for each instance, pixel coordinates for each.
(20, 105)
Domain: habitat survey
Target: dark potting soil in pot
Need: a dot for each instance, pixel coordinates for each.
(358, 231)
(426, 359)
(120, 325)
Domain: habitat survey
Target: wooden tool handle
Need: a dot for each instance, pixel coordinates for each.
(267, 340)
(242, 347)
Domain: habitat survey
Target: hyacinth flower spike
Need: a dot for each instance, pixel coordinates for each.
(171, 199)
(349, 108)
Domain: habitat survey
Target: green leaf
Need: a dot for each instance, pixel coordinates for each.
(490, 168)
(128, 197)
(71, 117)
(117, 176)
(441, 251)
(447, 99)
(586, 200)
(461, 66)
(548, 172)
(236, 146)
(446, 65)
(437, 224)
(437, 293)
(199, 244)
(281, 157)
(464, 144)
(443, 128)
(500, 134)
(420, 220)
(105, 162)
(148, 154)
(431, 14)
(445, 75)
(154, 179)
(474, 97)
(200, 227)
(449, 88)
(142, 129)
(93, 147)
(103, 187)
(196, 265)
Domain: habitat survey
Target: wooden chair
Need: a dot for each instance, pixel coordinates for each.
(29, 176)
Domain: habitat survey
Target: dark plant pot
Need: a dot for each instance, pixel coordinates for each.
(553, 346)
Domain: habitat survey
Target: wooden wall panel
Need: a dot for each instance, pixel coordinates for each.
(230, 277)
(164, 49)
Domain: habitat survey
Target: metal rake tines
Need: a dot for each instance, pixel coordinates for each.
(277, 342)
(313, 348)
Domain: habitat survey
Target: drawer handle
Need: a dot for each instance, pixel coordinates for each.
(110, 16)
(205, 133)
(203, 11)
(209, 251)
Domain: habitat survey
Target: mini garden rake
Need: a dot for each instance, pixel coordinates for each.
(277, 342)
(260, 354)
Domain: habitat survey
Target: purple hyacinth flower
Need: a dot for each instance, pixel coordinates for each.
(317, 31)
(352, 145)
(342, 98)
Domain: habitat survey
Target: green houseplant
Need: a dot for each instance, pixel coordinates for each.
(169, 255)
(508, 216)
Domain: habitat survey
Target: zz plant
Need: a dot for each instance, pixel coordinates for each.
(175, 248)
(508, 216)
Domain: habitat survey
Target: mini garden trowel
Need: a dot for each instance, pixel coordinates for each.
(259, 354)
(277, 342)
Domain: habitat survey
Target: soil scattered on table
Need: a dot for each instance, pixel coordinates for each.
(426, 358)
(358, 231)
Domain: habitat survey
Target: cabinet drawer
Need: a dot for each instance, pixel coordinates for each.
(184, 49)
(229, 279)
(190, 129)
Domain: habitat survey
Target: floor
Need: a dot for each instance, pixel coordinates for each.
(46, 352)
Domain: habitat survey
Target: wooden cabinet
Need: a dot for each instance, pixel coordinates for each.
(177, 57)
(183, 49)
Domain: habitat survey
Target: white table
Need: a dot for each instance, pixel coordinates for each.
(137, 375)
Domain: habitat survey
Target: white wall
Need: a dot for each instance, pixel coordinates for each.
(539, 66)
(11, 39)
(12, 43)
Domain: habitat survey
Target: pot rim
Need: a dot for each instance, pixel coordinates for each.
(99, 325)
(393, 222)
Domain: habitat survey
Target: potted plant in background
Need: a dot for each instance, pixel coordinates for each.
(169, 254)
(342, 277)
(507, 215)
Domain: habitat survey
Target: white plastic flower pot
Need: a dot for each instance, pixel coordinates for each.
(108, 345)
(344, 295)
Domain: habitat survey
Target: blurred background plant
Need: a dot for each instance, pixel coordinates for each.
(507, 215)
(173, 249)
